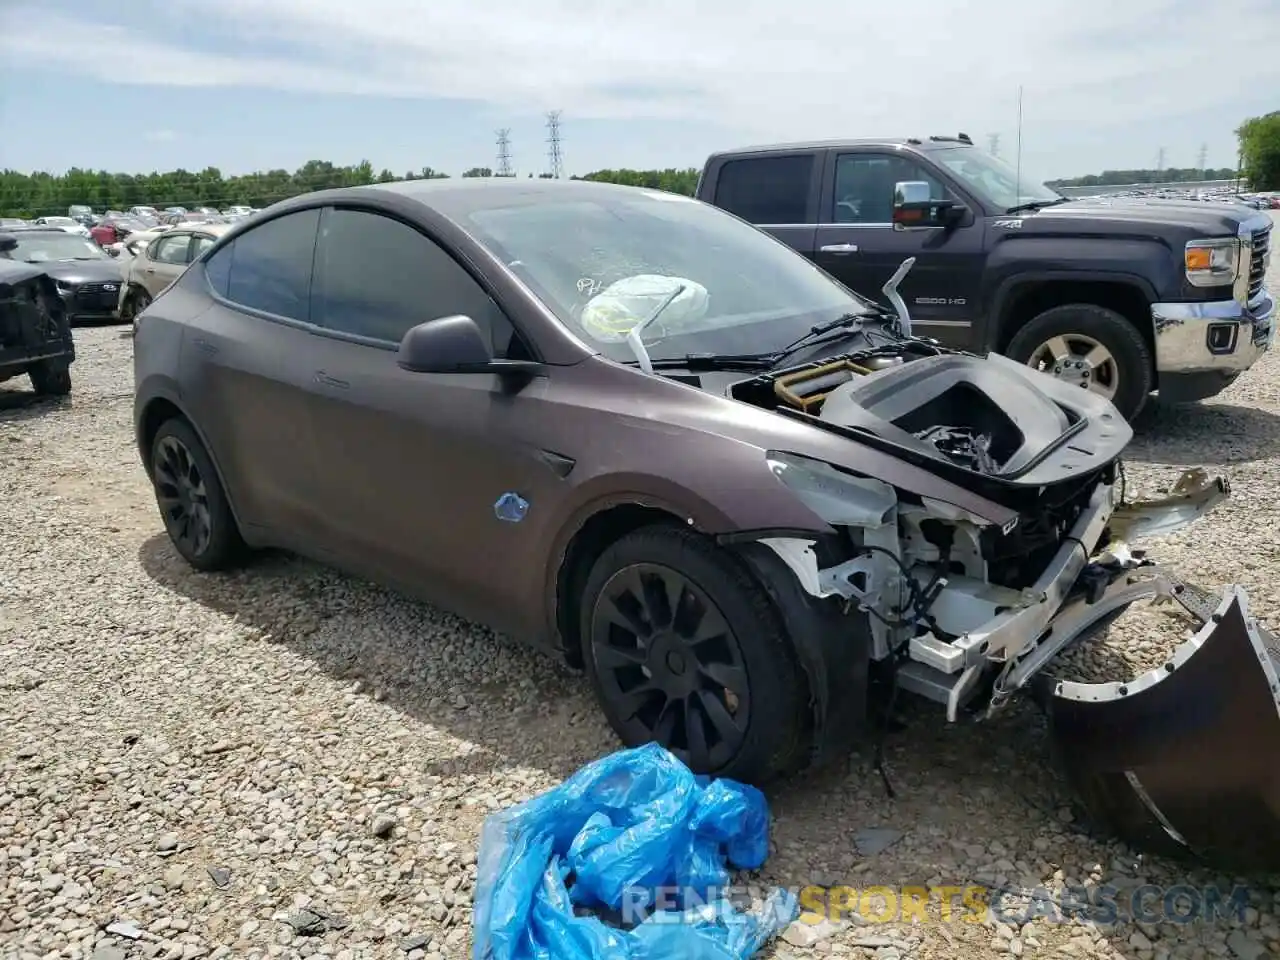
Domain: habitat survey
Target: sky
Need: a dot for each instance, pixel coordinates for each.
(246, 85)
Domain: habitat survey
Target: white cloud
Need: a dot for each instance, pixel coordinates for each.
(770, 70)
(160, 136)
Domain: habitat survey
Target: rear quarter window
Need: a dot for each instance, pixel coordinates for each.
(766, 190)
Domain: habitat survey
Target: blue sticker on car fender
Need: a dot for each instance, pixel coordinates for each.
(510, 507)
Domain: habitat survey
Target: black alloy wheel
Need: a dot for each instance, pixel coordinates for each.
(182, 496)
(685, 648)
(193, 505)
(666, 657)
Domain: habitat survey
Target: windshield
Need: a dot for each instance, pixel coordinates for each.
(603, 263)
(993, 179)
(41, 247)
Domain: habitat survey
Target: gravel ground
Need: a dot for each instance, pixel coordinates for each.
(191, 757)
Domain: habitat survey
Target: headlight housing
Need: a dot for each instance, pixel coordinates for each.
(1212, 263)
(63, 286)
(838, 498)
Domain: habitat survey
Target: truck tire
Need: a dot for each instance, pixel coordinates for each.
(715, 680)
(1119, 364)
(50, 378)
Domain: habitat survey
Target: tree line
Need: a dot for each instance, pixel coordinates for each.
(46, 194)
(39, 194)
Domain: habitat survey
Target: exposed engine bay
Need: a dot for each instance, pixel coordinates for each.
(967, 613)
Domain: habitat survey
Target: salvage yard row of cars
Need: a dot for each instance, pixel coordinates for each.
(642, 434)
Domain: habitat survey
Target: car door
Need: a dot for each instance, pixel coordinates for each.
(412, 465)
(166, 258)
(858, 243)
(244, 376)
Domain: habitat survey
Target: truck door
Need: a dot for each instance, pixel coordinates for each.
(777, 192)
(858, 244)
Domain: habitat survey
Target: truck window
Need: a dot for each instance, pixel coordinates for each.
(766, 190)
(865, 181)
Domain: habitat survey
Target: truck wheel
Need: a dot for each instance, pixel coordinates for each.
(1092, 347)
(50, 378)
(684, 648)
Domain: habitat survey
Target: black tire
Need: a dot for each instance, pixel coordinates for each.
(185, 481)
(1134, 368)
(50, 378)
(135, 302)
(758, 687)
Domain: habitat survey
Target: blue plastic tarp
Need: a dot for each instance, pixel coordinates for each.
(634, 837)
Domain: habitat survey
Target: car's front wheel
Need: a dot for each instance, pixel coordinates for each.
(683, 647)
(192, 503)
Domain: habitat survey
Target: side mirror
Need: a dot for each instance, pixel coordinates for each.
(454, 345)
(913, 208)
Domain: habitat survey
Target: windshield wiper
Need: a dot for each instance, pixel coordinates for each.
(1036, 205)
(763, 361)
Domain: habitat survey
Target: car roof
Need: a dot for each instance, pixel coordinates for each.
(35, 229)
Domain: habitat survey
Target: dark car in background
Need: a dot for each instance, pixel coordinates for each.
(1120, 296)
(35, 335)
(86, 277)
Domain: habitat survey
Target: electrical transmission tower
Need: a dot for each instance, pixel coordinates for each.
(993, 144)
(1160, 160)
(554, 153)
(1203, 160)
(504, 153)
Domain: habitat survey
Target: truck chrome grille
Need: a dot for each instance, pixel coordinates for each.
(1258, 261)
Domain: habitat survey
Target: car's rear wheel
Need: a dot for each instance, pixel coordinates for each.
(50, 378)
(192, 503)
(135, 302)
(1091, 347)
(684, 648)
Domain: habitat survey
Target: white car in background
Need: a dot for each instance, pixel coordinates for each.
(154, 259)
(65, 224)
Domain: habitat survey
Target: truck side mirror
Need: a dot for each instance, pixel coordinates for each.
(913, 208)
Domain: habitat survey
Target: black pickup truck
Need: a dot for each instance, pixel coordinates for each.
(1122, 297)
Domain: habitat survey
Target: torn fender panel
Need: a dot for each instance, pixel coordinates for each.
(1191, 498)
(1184, 760)
(833, 649)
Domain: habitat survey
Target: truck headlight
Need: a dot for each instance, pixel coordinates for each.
(1212, 263)
(63, 286)
(838, 498)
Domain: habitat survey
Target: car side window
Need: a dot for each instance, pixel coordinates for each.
(172, 249)
(202, 243)
(865, 182)
(217, 269)
(378, 277)
(270, 269)
(766, 190)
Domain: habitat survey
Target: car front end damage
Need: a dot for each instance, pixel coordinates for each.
(970, 612)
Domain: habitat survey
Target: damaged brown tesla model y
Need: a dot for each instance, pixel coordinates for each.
(638, 432)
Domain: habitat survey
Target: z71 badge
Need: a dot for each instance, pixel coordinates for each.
(1009, 224)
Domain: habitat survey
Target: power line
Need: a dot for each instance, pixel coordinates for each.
(993, 144)
(504, 153)
(554, 153)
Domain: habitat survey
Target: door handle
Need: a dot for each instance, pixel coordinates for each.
(150, 269)
(204, 346)
(839, 248)
(328, 381)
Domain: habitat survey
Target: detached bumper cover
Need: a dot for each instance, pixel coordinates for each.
(1184, 760)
